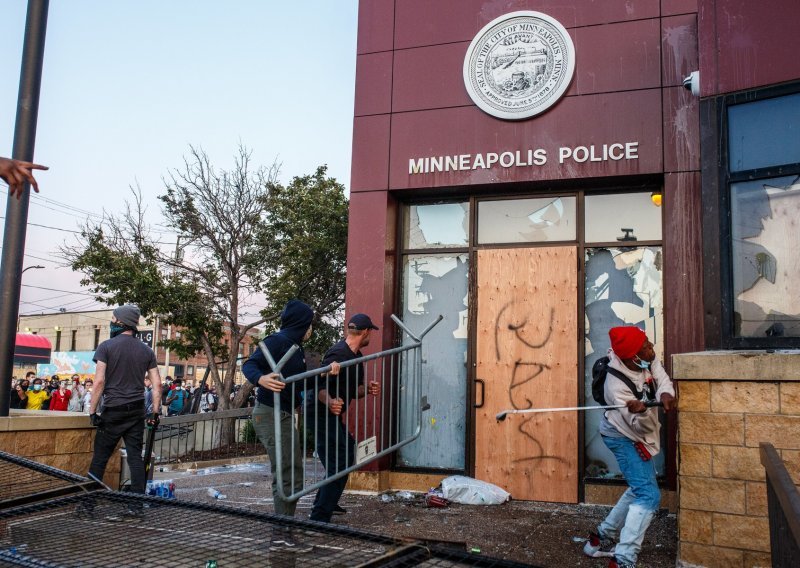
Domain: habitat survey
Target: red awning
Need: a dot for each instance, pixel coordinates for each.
(30, 349)
(33, 340)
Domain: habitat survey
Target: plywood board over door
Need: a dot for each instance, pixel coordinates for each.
(527, 355)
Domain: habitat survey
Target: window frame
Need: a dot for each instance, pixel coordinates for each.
(717, 218)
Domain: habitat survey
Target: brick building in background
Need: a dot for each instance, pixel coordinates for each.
(74, 336)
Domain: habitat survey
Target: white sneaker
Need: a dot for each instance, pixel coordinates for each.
(599, 547)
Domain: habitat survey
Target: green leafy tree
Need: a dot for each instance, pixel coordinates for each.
(302, 252)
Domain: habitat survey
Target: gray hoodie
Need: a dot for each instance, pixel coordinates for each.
(643, 427)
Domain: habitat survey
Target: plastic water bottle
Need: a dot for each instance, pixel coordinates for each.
(214, 494)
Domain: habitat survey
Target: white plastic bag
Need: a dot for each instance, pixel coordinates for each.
(468, 491)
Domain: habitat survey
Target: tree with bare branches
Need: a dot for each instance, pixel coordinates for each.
(234, 241)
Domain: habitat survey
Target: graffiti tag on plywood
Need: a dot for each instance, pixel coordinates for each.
(526, 369)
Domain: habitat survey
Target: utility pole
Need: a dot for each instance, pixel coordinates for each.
(178, 258)
(30, 80)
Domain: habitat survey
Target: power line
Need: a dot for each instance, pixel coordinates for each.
(40, 258)
(54, 228)
(58, 290)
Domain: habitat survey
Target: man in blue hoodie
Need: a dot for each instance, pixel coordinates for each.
(295, 328)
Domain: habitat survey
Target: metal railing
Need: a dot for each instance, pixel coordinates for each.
(207, 436)
(783, 501)
(377, 425)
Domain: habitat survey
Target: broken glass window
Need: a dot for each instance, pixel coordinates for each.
(526, 220)
(623, 217)
(433, 285)
(439, 225)
(765, 215)
(623, 287)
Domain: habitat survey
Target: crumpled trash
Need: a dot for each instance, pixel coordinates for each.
(469, 491)
(390, 496)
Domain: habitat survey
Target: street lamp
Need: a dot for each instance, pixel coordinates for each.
(20, 275)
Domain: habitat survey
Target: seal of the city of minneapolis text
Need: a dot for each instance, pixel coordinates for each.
(519, 65)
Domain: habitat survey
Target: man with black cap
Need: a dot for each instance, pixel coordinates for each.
(335, 445)
(123, 362)
(296, 319)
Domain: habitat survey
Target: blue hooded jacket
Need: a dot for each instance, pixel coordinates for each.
(295, 320)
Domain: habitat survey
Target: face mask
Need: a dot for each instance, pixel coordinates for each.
(116, 329)
(37, 387)
(642, 364)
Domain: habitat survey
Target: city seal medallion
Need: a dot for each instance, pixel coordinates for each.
(519, 65)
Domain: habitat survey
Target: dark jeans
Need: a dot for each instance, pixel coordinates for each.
(336, 450)
(126, 422)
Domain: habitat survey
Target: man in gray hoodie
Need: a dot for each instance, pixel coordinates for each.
(633, 434)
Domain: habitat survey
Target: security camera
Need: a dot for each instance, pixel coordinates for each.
(692, 83)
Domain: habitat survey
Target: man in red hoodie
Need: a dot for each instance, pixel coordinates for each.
(633, 434)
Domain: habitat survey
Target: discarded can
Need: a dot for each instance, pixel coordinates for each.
(436, 501)
(211, 564)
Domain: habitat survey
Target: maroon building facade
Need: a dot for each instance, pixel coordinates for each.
(533, 236)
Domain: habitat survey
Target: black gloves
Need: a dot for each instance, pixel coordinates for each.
(96, 420)
(152, 420)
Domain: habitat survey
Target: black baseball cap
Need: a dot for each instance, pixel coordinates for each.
(360, 322)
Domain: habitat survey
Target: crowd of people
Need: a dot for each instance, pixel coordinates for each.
(57, 394)
(75, 395)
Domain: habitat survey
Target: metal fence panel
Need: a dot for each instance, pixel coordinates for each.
(783, 502)
(373, 422)
(85, 531)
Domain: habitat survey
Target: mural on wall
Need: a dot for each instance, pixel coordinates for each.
(67, 363)
(765, 260)
(623, 287)
(434, 285)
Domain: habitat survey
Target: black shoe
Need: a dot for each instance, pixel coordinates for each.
(337, 510)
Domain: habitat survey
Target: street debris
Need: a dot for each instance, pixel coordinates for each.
(469, 491)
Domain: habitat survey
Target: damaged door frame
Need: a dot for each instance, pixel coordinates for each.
(640, 184)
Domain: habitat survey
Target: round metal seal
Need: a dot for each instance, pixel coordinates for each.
(519, 65)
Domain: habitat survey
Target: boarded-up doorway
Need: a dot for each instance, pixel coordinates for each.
(527, 357)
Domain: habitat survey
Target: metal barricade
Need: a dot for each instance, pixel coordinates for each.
(783, 501)
(375, 425)
(205, 436)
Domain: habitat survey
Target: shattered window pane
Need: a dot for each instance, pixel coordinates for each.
(439, 225)
(766, 265)
(764, 133)
(622, 217)
(526, 220)
(623, 287)
(434, 285)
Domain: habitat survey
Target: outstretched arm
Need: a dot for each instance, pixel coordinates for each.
(16, 173)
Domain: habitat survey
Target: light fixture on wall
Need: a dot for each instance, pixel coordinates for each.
(57, 328)
(656, 197)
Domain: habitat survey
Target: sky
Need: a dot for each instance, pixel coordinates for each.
(128, 85)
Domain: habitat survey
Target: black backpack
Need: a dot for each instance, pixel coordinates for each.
(600, 370)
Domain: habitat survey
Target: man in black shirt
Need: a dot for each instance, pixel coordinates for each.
(122, 364)
(335, 445)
